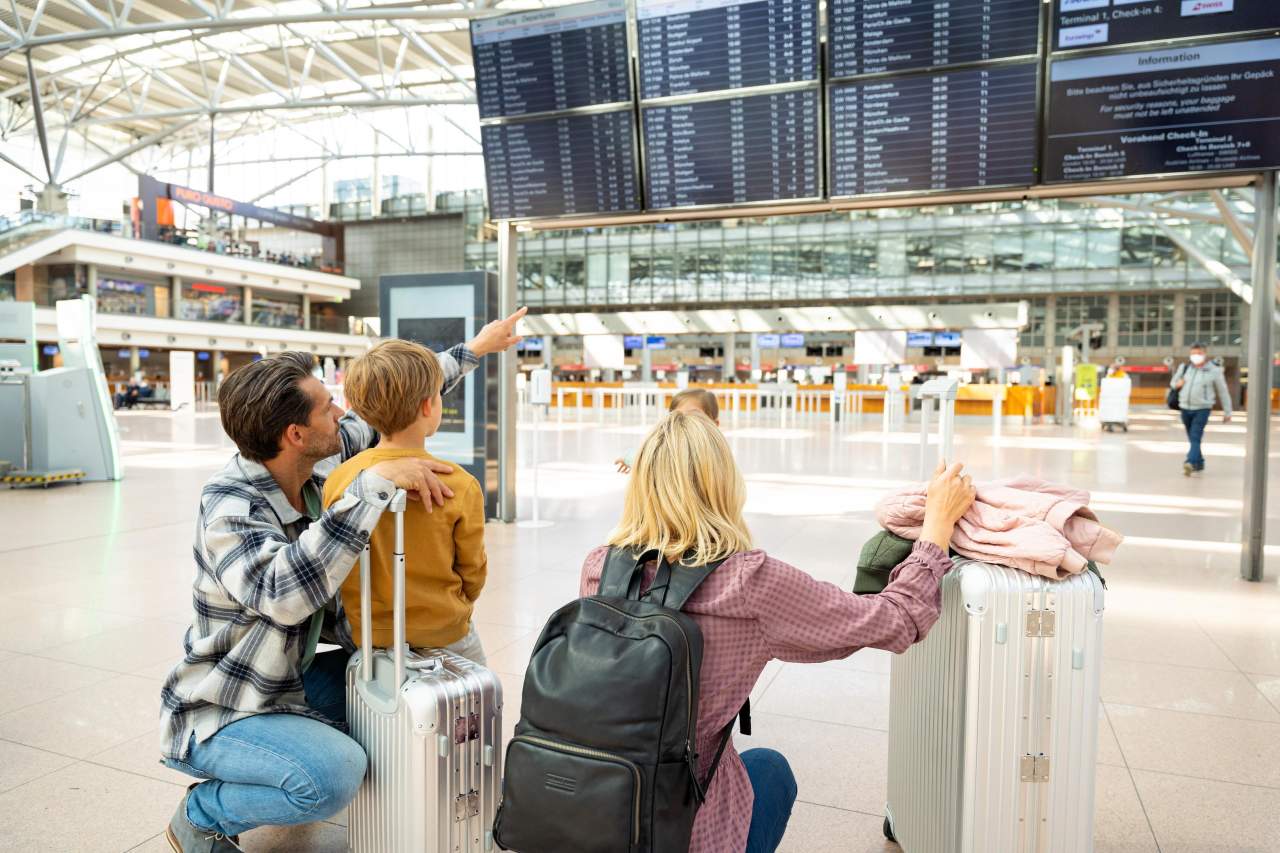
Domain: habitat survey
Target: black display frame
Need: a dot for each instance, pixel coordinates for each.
(1151, 44)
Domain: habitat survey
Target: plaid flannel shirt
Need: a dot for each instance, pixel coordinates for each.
(262, 570)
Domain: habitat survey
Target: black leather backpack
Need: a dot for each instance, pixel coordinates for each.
(603, 757)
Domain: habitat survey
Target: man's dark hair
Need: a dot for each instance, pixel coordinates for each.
(258, 402)
(1198, 345)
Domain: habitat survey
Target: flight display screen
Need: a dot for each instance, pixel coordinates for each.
(1193, 109)
(874, 36)
(733, 150)
(693, 46)
(552, 60)
(1101, 23)
(572, 164)
(964, 129)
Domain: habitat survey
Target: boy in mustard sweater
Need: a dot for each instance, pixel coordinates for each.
(395, 387)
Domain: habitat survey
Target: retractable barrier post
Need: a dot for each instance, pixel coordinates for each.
(540, 396)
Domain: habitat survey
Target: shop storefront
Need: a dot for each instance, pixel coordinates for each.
(217, 303)
(134, 296)
(279, 310)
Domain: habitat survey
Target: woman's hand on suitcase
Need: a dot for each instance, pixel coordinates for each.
(418, 477)
(949, 496)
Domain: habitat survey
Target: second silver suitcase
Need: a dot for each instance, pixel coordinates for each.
(430, 725)
(993, 717)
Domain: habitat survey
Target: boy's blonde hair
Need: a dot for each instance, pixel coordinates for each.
(386, 385)
(700, 397)
(686, 494)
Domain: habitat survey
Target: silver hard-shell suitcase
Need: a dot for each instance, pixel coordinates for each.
(430, 725)
(993, 718)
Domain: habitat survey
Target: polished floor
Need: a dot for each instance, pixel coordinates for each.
(96, 582)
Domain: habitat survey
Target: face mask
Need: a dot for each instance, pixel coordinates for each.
(1197, 359)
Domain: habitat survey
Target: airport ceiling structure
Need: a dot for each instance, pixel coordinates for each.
(139, 79)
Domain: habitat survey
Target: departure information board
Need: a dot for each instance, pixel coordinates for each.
(964, 129)
(1193, 109)
(1098, 23)
(873, 36)
(692, 46)
(552, 60)
(573, 164)
(733, 150)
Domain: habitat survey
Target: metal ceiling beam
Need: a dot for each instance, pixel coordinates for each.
(363, 103)
(203, 25)
(137, 146)
(330, 157)
(1233, 223)
(38, 112)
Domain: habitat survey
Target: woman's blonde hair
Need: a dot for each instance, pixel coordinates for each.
(686, 494)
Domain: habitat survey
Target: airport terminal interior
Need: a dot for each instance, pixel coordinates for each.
(877, 234)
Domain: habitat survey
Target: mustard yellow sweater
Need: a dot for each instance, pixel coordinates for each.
(445, 563)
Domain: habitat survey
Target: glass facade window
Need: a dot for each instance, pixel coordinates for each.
(218, 303)
(280, 310)
(8, 287)
(1214, 318)
(1146, 320)
(1032, 337)
(1074, 311)
(65, 281)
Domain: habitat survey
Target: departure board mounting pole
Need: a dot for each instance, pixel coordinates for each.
(507, 406)
(1261, 324)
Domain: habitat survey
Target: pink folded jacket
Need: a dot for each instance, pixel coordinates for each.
(1027, 523)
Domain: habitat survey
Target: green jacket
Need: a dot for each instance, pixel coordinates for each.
(884, 552)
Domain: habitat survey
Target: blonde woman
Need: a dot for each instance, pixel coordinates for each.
(685, 499)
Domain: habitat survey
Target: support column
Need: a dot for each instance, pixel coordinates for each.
(507, 247)
(431, 169)
(175, 296)
(549, 352)
(1112, 340)
(730, 369)
(248, 304)
(326, 191)
(1050, 325)
(135, 361)
(216, 370)
(1261, 327)
(755, 354)
(91, 279)
(375, 205)
(1179, 322)
(646, 362)
(306, 311)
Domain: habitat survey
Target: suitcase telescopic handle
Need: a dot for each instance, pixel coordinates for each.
(944, 392)
(396, 507)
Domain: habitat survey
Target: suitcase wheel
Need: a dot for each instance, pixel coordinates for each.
(888, 830)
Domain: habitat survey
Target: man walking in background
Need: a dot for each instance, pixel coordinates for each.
(1198, 382)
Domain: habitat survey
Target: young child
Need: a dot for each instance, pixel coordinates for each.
(395, 387)
(688, 400)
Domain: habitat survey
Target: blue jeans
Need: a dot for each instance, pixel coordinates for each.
(774, 787)
(278, 769)
(1194, 421)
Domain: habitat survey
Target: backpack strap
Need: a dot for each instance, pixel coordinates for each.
(676, 585)
(743, 719)
(624, 572)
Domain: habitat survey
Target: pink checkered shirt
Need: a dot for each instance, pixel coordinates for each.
(754, 609)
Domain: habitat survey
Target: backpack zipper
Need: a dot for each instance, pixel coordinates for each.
(606, 756)
(690, 754)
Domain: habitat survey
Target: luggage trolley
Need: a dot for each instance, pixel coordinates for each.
(1113, 403)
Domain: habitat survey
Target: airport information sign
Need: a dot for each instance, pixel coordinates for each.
(733, 150)
(692, 46)
(735, 105)
(552, 60)
(1106, 23)
(1187, 109)
(569, 164)
(957, 129)
(872, 36)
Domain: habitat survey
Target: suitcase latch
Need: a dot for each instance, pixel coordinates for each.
(466, 728)
(466, 806)
(1035, 768)
(1041, 623)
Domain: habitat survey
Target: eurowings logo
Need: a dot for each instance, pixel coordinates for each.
(1077, 5)
(1207, 7)
(1076, 36)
